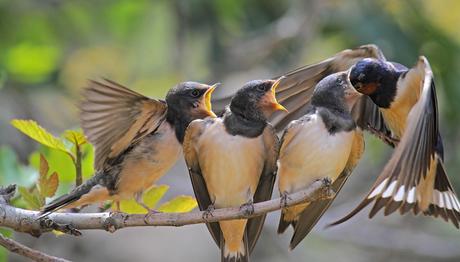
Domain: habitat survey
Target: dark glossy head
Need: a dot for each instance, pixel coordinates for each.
(376, 79)
(256, 100)
(186, 102)
(335, 92)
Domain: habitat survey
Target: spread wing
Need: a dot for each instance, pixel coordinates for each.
(114, 117)
(192, 134)
(415, 178)
(295, 91)
(313, 212)
(265, 187)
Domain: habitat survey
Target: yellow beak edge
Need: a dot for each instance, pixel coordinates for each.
(207, 99)
(276, 105)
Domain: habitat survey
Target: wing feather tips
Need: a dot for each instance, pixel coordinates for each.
(444, 202)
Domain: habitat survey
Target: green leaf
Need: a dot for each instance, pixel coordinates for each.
(58, 161)
(75, 137)
(87, 161)
(57, 233)
(151, 197)
(179, 204)
(130, 206)
(39, 134)
(31, 199)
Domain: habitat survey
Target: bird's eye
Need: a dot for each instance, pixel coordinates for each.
(195, 93)
(261, 88)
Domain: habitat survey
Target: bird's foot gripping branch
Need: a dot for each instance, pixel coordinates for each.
(26, 221)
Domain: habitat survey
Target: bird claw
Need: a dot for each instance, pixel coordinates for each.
(150, 213)
(284, 199)
(208, 212)
(327, 192)
(387, 139)
(247, 208)
(48, 223)
(115, 212)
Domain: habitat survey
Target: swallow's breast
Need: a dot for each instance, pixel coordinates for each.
(231, 165)
(312, 153)
(407, 95)
(149, 160)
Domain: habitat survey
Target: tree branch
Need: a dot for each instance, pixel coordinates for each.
(22, 250)
(26, 221)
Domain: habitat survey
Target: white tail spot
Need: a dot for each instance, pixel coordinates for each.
(378, 189)
(456, 203)
(448, 200)
(440, 199)
(411, 196)
(400, 194)
(390, 189)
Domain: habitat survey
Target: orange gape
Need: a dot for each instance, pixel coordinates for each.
(368, 88)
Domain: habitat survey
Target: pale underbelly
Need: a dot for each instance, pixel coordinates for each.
(231, 166)
(148, 162)
(311, 157)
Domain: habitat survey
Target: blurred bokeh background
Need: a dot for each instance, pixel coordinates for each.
(49, 48)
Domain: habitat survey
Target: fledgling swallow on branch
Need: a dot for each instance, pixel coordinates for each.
(232, 162)
(137, 139)
(324, 143)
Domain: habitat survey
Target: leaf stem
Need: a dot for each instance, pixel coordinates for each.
(78, 171)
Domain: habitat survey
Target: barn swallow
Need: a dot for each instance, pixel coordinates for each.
(137, 139)
(415, 177)
(232, 162)
(323, 143)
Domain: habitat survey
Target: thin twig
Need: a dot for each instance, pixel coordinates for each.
(22, 250)
(26, 221)
(78, 173)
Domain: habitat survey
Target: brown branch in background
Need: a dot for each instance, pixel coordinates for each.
(78, 173)
(26, 221)
(22, 250)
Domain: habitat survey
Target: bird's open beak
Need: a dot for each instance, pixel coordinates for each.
(351, 93)
(207, 99)
(272, 99)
